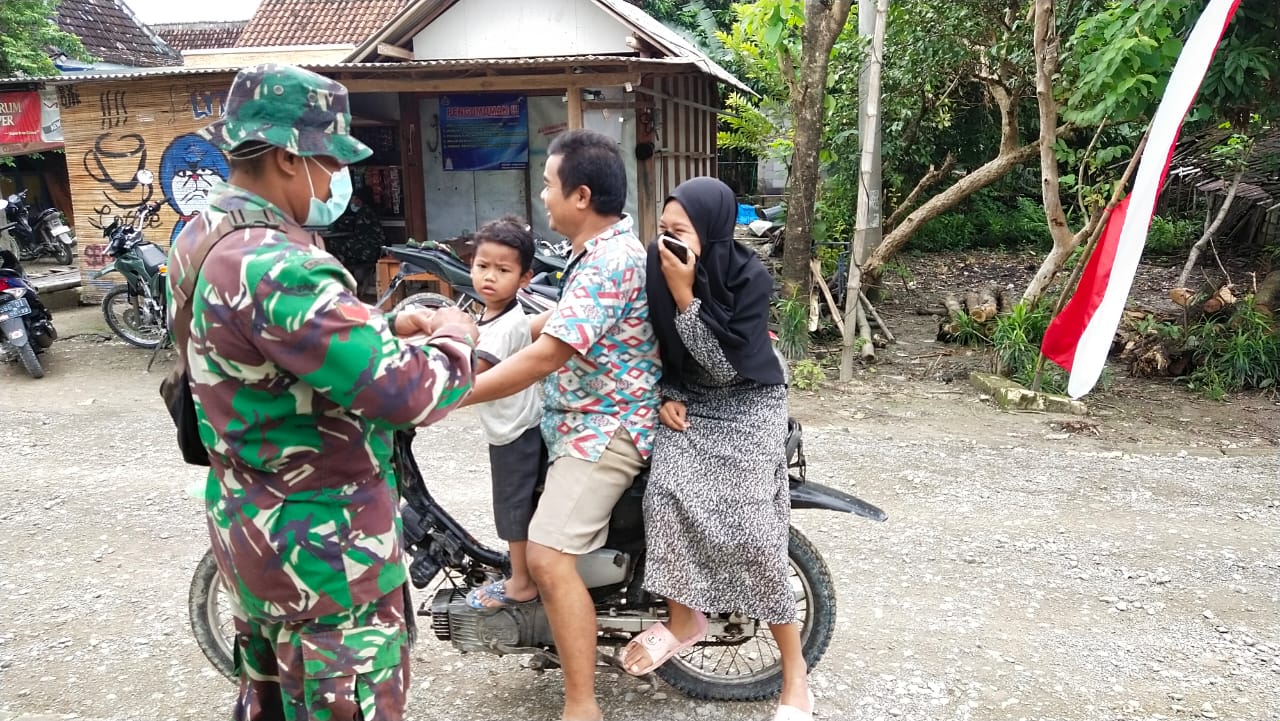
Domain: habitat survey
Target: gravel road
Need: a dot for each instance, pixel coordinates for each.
(1026, 576)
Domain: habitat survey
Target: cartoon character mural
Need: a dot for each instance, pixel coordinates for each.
(189, 169)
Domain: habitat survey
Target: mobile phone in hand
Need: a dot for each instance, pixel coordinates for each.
(676, 246)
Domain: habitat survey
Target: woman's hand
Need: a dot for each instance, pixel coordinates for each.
(673, 415)
(679, 275)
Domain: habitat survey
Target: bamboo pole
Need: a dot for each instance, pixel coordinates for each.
(1073, 281)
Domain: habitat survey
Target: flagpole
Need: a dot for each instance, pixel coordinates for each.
(1069, 288)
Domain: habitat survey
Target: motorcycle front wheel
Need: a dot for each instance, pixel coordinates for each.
(61, 252)
(432, 301)
(211, 619)
(27, 355)
(126, 319)
(750, 668)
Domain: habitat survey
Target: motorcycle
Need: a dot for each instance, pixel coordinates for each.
(736, 661)
(549, 260)
(26, 326)
(47, 236)
(135, 309)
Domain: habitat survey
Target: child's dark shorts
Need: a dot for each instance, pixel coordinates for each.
(518, 470)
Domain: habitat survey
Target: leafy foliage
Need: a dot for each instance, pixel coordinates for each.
(807, 375)
(1017, 338)
(793, 328)
(1170, 237)
(987, 220)
(1243, 353)
(26, 32)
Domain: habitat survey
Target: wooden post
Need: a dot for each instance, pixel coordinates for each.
(412, 177)
(646, 188)
(574, 94)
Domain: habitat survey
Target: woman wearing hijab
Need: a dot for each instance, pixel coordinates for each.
(717, 507)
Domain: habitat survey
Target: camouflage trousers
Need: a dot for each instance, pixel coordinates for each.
(351, 666)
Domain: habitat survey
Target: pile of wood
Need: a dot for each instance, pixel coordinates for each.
(1147, 351)
(983, 306)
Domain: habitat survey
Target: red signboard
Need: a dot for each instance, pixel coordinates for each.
(19, 117)
(28, 123)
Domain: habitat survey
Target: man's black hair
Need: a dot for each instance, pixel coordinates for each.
(592, 159)
(512, 232)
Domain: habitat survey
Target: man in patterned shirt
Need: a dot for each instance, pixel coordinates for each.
(598, 355)
(298, 387)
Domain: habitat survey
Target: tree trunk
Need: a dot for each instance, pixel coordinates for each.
(1209, 232)
(1267, 296)
(1045, 46)
(989, 173)
(822, 25)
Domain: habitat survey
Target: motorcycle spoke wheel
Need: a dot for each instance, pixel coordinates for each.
(62, 253)
(211, 619)
(126, 320)
(750, 668)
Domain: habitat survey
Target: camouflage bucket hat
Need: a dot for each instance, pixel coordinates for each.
(291, 108)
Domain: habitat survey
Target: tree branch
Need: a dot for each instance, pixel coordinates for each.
(930, 178)
(1045, 44)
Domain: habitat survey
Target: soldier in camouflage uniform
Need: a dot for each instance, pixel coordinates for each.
(297, 387)
(359, 242)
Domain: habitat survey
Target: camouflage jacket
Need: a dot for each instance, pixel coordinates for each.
(360, 237)
(298, 386)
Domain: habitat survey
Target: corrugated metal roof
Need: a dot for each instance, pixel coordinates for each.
(585, 61)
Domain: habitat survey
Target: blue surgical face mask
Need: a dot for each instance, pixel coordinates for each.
(324, 213)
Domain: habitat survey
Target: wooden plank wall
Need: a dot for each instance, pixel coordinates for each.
(112, 130)
(686, 134)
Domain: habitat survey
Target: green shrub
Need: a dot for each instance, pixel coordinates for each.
(793, 328)
(807, 375)
(1017, 338)
(987, 220)
(1169, 237)
(1242, 353)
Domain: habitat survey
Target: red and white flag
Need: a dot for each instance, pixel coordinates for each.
(1079, 338)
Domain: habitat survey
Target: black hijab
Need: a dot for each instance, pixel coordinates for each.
(729, 279)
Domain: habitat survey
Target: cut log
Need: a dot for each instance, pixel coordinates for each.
(947, 328)
(971, 302)
(986, 307)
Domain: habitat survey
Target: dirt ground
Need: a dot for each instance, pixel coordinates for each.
(1124, 569)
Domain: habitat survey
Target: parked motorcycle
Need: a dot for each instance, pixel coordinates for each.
(135, 309)
(736, 661)
(47, 236)
(549, 260)
(26, 326)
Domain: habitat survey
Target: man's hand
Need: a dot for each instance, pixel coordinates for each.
(428, 322)
(674, 415)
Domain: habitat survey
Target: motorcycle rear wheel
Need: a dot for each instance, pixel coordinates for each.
(211, 619)
(27, 355)
(730, 673)
(123, 317)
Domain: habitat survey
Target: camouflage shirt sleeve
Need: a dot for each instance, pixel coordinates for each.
(309, 323)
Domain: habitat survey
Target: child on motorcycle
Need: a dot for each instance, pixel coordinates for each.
(517, 457)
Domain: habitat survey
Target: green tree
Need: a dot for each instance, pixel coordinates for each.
(27, 32)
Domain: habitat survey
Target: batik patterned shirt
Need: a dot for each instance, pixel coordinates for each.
(298, 387)
(610, 383)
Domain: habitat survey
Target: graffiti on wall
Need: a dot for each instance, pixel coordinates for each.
(189, 169)
(114, 109)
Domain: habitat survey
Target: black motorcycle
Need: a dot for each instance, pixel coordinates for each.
(26, 326)
(736, 661)
(48, 235)
(439, 260)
